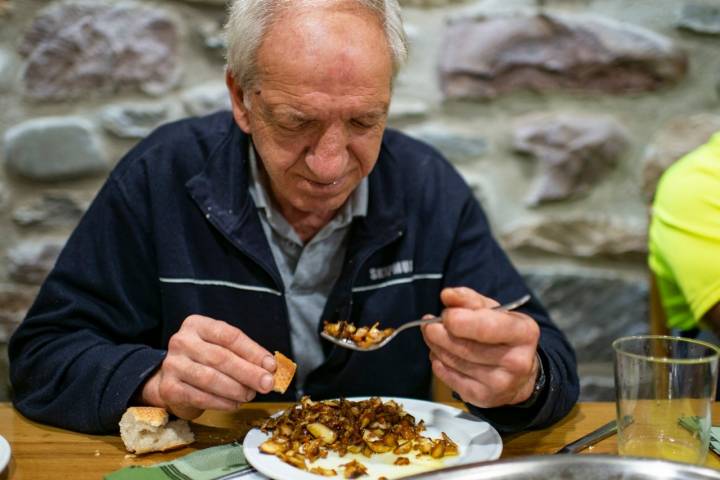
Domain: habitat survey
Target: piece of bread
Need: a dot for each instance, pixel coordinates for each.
(147, 429)
(284, 372)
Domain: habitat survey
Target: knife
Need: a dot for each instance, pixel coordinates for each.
(591, 438)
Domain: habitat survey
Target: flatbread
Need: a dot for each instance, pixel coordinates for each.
(284, 372)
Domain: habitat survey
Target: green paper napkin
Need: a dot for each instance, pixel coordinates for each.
(693, 424)
(215, 463)
(715, 439)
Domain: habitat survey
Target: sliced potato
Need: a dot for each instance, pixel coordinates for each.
(326, 472)
(324, 433)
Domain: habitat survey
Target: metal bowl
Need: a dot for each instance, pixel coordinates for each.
(572, 467)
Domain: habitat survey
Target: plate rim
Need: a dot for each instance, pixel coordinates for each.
(302, 475)
(5, 453)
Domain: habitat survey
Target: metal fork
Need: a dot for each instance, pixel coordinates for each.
(347, 343)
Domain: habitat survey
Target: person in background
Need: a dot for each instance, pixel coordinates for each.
(684, 243)
(218, 240)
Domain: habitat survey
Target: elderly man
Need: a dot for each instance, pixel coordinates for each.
(219, 240)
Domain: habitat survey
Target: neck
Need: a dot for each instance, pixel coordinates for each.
(305, 224)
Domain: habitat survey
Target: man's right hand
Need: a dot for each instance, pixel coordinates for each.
(209, 365)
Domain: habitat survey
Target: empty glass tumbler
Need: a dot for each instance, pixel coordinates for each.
(665, 387)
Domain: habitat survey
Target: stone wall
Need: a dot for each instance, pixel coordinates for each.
(560, 113)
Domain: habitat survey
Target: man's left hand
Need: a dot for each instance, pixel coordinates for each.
(487, 356)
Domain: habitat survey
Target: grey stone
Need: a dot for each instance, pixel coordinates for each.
(4, 195)
(481, 186)
(598, 388)
(592, 310)
(205, 99)
(134, 120)
(457, 146)
(78, 49)
(29, 262)
(14, 304)
(582, 236)
(574, 152)
(407, 109)
(54, 209)
(212, 36)
(413, 33)
(676, 138)
(54, 148)
(700, 18)
(8, 70)
(15, 301)
(485, 56)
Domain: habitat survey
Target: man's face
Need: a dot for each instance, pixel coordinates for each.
(319, 108)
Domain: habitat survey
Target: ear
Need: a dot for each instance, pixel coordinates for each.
(239, 111)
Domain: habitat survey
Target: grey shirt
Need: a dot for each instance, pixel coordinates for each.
(308, 271)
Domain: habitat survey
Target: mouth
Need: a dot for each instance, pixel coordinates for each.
(326, 187)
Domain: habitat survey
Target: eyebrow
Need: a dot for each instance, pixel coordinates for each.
(286, 111)
(374, 114)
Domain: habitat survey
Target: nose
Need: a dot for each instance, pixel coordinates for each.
(328, 157)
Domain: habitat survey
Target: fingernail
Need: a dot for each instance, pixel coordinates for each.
(268, 363)
(266, 382)
(250, 396)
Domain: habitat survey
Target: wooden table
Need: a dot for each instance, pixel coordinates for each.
(40, 452)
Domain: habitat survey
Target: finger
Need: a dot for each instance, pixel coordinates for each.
(234, 367)
(206, 379)
(232, 338)
(184, 399)
(478, 393)
(499, 379)
(460, 384)
(437, 337)
(465, 297)
(186, 413)
(491, 326)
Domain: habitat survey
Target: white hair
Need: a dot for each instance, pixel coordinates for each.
(248, 21)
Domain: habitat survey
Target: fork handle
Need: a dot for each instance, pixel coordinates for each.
(417, 323)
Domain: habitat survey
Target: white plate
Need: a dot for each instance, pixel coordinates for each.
(476, 440)
(4, 453)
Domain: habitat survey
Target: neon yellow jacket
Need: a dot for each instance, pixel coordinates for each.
(685, 236)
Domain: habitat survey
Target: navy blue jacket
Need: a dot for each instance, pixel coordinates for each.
(174, 232)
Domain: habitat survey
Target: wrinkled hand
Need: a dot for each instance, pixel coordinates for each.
(209, 365)
(487, 356)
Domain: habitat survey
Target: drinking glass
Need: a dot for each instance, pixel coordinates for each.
(664, 388)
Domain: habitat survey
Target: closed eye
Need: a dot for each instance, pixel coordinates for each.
(296, 123)
(366, 123)
(361, 124)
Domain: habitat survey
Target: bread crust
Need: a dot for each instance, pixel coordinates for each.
(284, 372)
(154, 416)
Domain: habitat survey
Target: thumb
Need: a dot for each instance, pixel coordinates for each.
(464, 297)
(185, 412)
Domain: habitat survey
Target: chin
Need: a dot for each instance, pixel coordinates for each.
(325, 203)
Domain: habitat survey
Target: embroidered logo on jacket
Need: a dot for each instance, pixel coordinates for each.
(397, 268)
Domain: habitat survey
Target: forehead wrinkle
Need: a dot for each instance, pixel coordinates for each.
(331, 48)
(277, 100)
